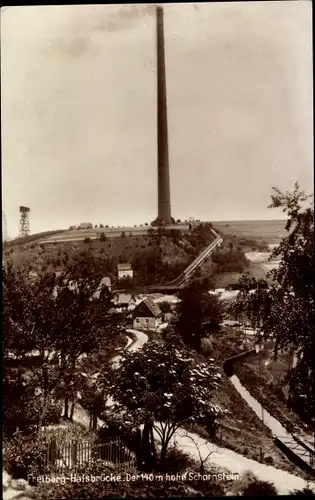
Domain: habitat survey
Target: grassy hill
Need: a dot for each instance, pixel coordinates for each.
(155, 254)
(270, 231)
(156, 258)
(26, 240)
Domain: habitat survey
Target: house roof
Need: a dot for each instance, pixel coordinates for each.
(151, 305)
(106, 281)
(126, 266)
(124, 298)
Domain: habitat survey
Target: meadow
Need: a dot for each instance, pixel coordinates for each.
(271, 231)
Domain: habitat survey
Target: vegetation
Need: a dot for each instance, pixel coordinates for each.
(284, 310)
(231, 260)
(23, 457)
(58, 320)
(162, 387)
(259, 489)
(103, 237)
(197, 311)
(24, 240)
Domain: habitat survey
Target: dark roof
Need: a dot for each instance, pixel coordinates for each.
(152, 306)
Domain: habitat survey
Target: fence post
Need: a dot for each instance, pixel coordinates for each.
(74, 453)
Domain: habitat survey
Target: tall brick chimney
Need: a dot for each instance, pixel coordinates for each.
(164, 197)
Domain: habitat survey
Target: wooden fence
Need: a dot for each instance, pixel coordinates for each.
(75, 453)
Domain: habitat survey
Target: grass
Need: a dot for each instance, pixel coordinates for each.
(55, 256)
(264, 387)
(271, 231)
(241, 430)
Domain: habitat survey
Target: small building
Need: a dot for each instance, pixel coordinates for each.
(124, 270)
(147, 314)
(105, 282)
(33, 275)
(86, 225)
(125, 301)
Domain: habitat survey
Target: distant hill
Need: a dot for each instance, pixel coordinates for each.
(271, 231)
(24, 240)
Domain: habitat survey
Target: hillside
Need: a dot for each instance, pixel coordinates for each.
(156, 256)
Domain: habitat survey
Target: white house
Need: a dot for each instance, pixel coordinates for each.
(147, 314)
(105, 282)
(125, 301)
(124, 270)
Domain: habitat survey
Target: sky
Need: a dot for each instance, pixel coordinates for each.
(78, 110)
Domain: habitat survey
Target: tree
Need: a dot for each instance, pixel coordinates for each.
(165, 307)
(123, 234)
(103, 237)
(284, 310)
(56, 318)
(101, 226)
(197, 309)
(163, 387)
(259, 488)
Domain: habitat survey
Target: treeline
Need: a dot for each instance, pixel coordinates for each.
(232, 260)
(149, 268)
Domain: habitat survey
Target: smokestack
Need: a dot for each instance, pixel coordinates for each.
(164, 197)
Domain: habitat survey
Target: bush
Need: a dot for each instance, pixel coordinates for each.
(103, 237)
(53, 413)
(87, 240)
(259, 488)
(23, 457)
(305, 492)
(176, 461)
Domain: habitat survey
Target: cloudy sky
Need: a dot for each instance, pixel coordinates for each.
(79, 110)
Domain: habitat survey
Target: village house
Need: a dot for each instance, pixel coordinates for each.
(105, 282)
(125, 301)
(147, 314)
(124, 270)
(33, 275)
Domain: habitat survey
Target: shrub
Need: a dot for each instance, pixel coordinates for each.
(53, 413)
(269, 460)
(103, 237)
(176, 461)
(87, 240)
(23, 457)
(305, 492)
(259, 488)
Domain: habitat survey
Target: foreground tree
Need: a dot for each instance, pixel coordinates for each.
(55, 320)
(163, 388)
(284, 310)
(197, 310)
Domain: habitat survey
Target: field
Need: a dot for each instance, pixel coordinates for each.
(110, 232)
(271, 231)
(241, 430)
(265, 384)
